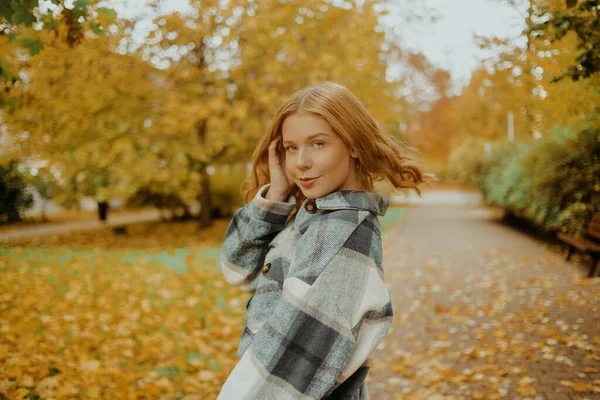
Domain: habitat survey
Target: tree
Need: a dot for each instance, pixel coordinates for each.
(432, 123)
(17, 21)
(520, 80)
(199, 92)
(581, 18)
(235, 63)
(14, 197)
(88, 112)
(43, 183)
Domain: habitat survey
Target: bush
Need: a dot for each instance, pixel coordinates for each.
(158, 196)
(465, 163)
(503, 177)
(14, 197)
(553, 182)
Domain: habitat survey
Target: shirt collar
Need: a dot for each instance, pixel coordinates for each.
(353, 200)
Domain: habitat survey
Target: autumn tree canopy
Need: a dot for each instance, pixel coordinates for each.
(109, 118)
(519, 81)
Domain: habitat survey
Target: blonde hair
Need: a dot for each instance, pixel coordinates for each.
(380, 155)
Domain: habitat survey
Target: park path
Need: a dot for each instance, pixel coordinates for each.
(483, 311)
(63, 227)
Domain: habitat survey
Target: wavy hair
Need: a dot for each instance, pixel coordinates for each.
(380, 155)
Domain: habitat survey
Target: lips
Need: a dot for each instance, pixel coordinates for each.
(308, 182)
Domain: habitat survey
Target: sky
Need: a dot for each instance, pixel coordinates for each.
(448, 42)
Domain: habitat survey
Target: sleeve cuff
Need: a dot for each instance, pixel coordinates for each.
(274, 207)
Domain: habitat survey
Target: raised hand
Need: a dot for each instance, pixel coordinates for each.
(281, 182)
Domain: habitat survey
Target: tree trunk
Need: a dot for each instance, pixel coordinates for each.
(103, 211)
(204, 198)
(44, 205)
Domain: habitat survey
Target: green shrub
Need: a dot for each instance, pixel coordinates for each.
(465, 162)
(14, 197)
(553, 182)
(503, 179)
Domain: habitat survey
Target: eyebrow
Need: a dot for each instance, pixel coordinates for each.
(310, 137)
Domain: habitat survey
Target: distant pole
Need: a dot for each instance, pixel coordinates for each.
(487, 147)
(511, 126)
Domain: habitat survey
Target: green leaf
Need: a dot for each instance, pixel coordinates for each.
(96, 28)
(81, 4)
(79, 12)
(50, 23)
(18, 12)
(23, 17)
(571, 3)
(107, 12)
(6, 11)
(33, 45)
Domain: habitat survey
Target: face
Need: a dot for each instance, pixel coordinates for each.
(313, 150)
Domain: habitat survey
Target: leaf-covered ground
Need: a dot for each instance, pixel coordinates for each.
(482, 311)
(144, 316)
(93, 315)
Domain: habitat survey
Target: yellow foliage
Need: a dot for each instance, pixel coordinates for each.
(519, 80)
(97, 324)
(200, 91)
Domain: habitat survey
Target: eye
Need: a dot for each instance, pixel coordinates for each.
(318, 142)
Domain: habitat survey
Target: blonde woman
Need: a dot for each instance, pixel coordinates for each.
(308, 245)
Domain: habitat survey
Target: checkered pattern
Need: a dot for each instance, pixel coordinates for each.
(322, 307)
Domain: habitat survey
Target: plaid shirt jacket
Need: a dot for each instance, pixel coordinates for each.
(320, 305)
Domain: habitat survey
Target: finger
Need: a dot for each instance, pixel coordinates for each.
(273, 151)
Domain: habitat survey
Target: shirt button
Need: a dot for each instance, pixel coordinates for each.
(266, 268)
(310, 207)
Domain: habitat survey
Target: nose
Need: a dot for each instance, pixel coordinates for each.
(303, 160)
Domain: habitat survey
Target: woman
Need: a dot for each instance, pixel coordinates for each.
(308, 245)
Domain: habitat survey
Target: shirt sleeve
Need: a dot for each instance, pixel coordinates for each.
(246, 242)
(334, 311)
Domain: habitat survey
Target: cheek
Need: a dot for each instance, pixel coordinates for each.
(289, 167)
(331, 159)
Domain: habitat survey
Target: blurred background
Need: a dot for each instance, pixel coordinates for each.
(138, 118)
(113, 104)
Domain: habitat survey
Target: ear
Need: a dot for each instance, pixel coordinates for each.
(354, 153)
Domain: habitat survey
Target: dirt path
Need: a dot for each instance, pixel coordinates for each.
(62, 227)
(483, 311)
